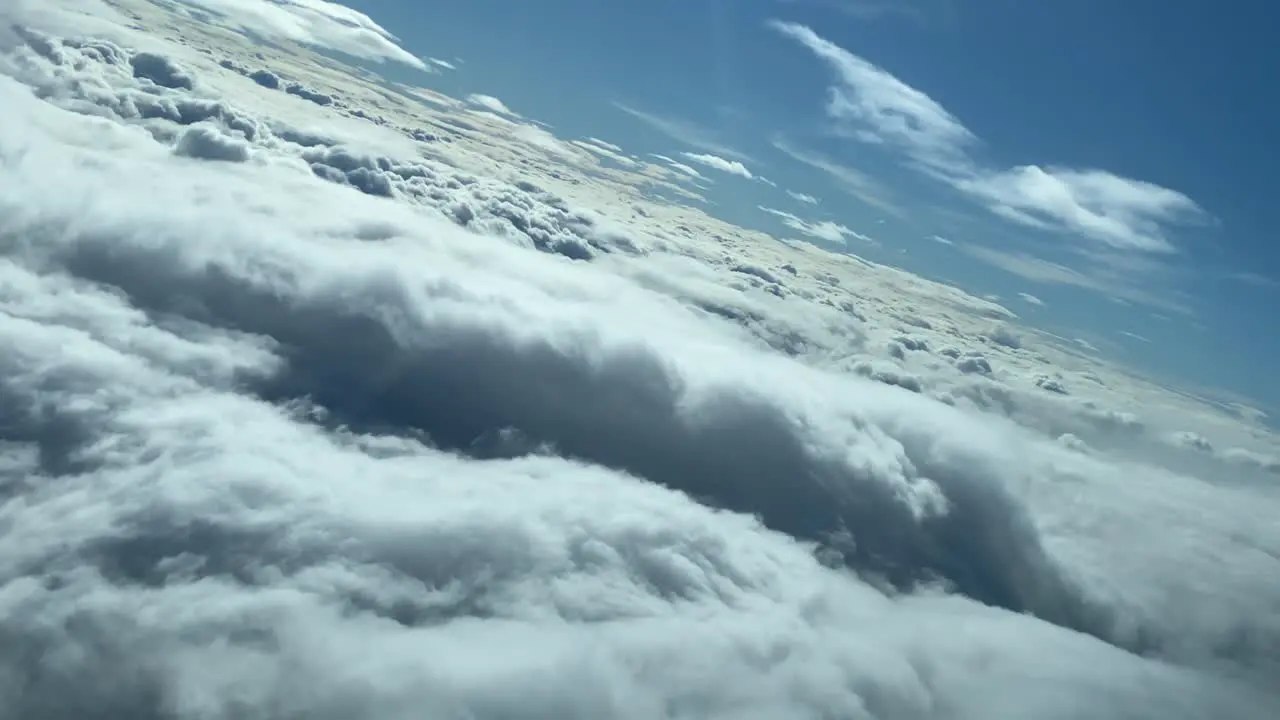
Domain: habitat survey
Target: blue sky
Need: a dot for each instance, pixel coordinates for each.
(1173, 94)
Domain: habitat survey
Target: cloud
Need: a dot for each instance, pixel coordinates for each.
(733, 167)
(491, 103)
(876, 107)
(677, 165)
(1030, 299)
(1039, 270)
(851, 180)
(940, 239)
(684, 131)
(442, 63)
(823, 230)
(314, 22)
(802, 197)
(277, 436)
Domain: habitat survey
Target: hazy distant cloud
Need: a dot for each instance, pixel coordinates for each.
(1031, 299)
(914, 10)
(1250, 278)
(442, 63)
(803, 197)
(313, 22)
(877, 107)
(683, 131)
(822, 230)
(1135, 336)
(940, 239)
(733, 167)
(1039, 270)
(852, 181)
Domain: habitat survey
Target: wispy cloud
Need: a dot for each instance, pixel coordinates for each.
(940, 239)
(684, 131)
(876, 107)
(1030, 267)
(733, 167)
(822, 230)
(681, 167)
(851, 180)
(803, 197)
(1030, 299)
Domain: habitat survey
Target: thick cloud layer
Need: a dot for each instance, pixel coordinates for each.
(308, 432)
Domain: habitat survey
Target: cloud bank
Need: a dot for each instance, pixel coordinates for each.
(289, 427)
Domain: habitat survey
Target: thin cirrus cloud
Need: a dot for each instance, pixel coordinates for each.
(683, 131)
(876, 107)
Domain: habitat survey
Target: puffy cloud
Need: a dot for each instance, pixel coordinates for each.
(733, 167)
(877, 107)
(336, 432)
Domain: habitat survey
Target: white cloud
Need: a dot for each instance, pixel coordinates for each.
(314, 22)
(1031, 299)
(277, 435)
(876, 107)
(442, 63)
(733, 167)
(677, 165)
(491, 103)
(803, 197)
(822, 230)
(940, 239)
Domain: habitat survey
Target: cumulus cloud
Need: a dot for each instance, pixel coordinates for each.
(733, 167)
(877, 107)
(823, 229)
(330, 433)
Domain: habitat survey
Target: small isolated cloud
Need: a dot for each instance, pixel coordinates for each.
(803, 197)
(442, 63)
(312, 22)
(822, 230)
(940, 239)
(679, 166)
(733, 167)
(874, 106)
(1135, 336)
(1029, 298)
(492, 104)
